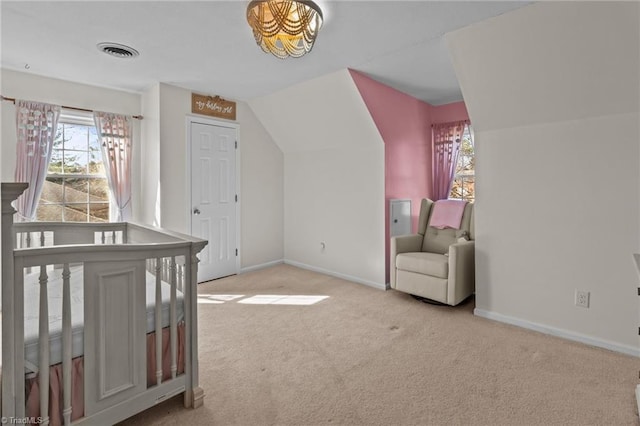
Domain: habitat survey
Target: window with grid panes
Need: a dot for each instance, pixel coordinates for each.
(464, 181)
(76, 188)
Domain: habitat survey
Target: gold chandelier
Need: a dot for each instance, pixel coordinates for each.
(284, 27)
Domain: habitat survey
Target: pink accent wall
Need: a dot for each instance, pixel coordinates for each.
(456, 111)
(404, 123)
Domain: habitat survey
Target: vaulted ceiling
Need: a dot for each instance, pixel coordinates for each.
(207, 46)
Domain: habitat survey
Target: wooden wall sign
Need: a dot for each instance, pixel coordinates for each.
(214, 106)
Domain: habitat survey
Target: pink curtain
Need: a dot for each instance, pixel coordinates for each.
(446, 145)
(36, 125)
(115, 133)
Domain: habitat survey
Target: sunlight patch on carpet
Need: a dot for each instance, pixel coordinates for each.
(260, 299)
(282, 299)
(217, 298)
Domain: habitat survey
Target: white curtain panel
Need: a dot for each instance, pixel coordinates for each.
(115, 133)
(36, 125)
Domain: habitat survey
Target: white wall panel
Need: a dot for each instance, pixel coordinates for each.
(262, 192)
(552, 91)
(549, 61)
(333, 176)
(150, 157)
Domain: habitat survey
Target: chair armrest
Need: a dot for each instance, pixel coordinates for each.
(402, 244)
(461, 271)
(406, 243)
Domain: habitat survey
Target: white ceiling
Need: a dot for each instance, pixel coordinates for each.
(207, 46)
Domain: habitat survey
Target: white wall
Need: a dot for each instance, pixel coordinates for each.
(334, 196)
(261, 175)
(150, 157)
(552, 91)
(43, 89)
(333, 174)
(175, 104)
(261, 192)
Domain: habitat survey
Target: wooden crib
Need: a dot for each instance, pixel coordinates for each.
(95, 295)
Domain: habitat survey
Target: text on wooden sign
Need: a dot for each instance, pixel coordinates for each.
(214, 106)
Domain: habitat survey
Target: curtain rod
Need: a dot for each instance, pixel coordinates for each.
(452, 122)
(4, 98)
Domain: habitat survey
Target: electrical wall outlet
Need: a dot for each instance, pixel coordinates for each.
(582, 298)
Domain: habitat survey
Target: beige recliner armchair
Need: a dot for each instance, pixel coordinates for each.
(436, 264)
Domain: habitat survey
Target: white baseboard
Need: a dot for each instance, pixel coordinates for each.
(565, 334)
(261, 266)
(379, 286)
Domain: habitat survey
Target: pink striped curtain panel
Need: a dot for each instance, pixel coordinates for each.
(446, 145)
(36, 125)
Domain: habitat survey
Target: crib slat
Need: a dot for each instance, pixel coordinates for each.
(163, 274)
(66, 344)
(158, 321)
(28, 239)
(102, 238)
(43, 346)
(181, 278)
(173, 320)
(41, 238)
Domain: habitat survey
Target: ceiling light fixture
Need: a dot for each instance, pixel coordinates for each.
(284, 27)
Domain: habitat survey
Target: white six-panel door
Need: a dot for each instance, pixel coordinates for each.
(213, 198)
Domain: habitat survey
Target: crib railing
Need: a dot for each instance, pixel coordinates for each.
(89, 255)
(104, 249)
(46, 234)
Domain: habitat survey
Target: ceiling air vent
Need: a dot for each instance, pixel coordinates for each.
(118, 50)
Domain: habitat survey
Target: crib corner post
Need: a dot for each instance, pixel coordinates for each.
(9, 193)
(194, 394)
(194, 398)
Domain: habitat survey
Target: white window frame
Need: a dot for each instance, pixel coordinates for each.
(83, 119)
(467, 131)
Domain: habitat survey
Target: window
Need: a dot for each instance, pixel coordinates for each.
(464, 181)
(76, 188)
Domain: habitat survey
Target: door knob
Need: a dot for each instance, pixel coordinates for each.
(196, 211)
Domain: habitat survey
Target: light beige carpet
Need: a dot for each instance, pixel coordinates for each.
(368, 357)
